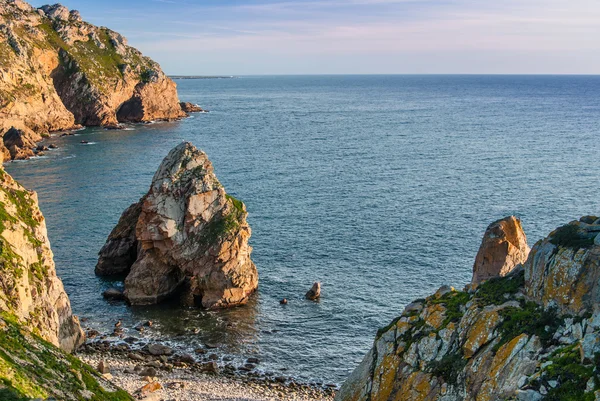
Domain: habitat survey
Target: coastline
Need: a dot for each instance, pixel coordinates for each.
(182, 377)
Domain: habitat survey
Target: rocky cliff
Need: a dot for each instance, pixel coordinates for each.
(57, 71)
(29, 287)
(186, 237)
(533, 334)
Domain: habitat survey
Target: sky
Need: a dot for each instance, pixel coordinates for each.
(227, 37)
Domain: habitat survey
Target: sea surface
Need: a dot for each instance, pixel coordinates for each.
(379, 187)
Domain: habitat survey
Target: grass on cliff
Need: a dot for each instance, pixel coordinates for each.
(30, 367)
(449, 367)
(530, 319)
(495, 290)
(570, 236)
(571, 374)
(222, 226)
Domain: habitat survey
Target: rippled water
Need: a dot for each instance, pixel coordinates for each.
(378, 186)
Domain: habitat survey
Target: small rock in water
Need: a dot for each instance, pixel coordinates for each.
(211, 346)
(159, 349)
(284, 301)
(103, 367)
(118, 324)
(315, 292)
(253, 360)
(113, 294)
(52, 146)
(200, 351)
(213, 357)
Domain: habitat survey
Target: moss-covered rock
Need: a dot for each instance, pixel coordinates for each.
(533, 334)
(31, 367)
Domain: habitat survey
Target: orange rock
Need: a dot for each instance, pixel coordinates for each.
(150, 388)
(504, 246)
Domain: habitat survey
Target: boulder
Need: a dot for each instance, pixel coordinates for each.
(189, 239)
(190, 107)
(20, 142)
(102, 367)
(113, 294)
(315, 292)
(159, 349)
(504, 246)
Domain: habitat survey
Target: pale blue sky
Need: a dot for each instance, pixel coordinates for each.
(357, 36)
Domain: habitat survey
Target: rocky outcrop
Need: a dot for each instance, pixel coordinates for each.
(29, 287)
(504, 246)
(563, 270)
(533, 334)
(190, 239)
(57, 71)
(190, 107)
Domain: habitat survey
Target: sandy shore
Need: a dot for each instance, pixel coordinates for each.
(184, 384)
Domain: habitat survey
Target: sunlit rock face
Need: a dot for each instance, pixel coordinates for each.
(530, 334)
(504, 246)
(29, 287)
(186, 237)
(58, 72)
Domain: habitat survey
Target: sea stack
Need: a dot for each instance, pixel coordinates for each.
(185, 238)
(504, 246)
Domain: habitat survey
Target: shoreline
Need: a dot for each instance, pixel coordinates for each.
(177, 376)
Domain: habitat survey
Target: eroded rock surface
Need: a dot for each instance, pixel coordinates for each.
(58, 71)
(189, 238)
(29, 287)
(533, 334)
(504, 246)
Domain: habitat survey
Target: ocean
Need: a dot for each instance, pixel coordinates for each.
(380, 187)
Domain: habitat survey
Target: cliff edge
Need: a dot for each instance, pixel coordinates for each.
(531, 334)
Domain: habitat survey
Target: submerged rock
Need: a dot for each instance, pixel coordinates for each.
(531, 334)
(315, 292)
(186, 237)
(504, 246)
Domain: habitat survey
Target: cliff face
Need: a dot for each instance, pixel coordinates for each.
(29, 287)
(533, 334)
(185, 237)
(57, 71)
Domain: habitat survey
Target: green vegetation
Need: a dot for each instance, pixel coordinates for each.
(494, 291)
(571, 374)
(454, 302)
(530, 319)
(222, 226)
(570, 236)
(449, 367)
(31, 367)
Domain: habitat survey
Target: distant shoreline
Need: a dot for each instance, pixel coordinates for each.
(201, 76)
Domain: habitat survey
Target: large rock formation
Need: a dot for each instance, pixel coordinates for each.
(533, 334)
(185, 237)
(57, 71)
(504, 245)
(29, 287)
